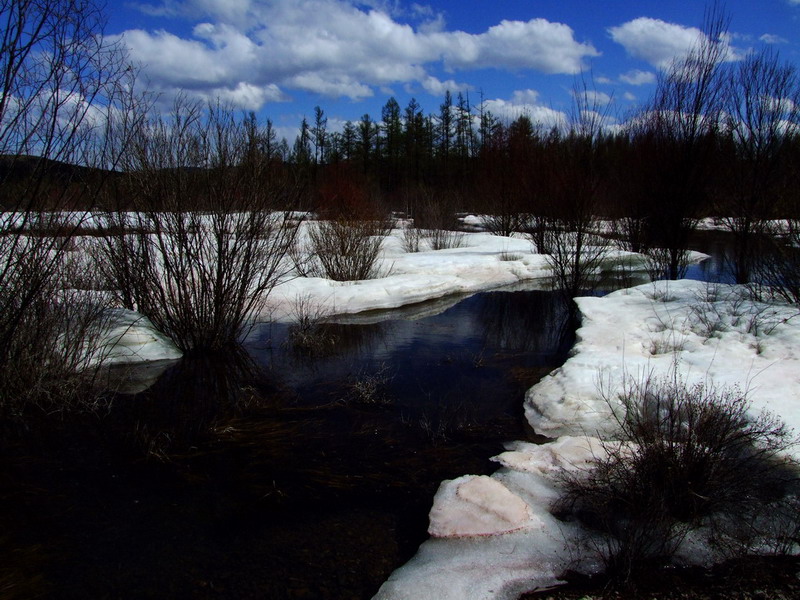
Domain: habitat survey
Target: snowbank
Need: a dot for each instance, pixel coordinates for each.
(464, 560)
(131, 338)
(710, 333)
(484, 262)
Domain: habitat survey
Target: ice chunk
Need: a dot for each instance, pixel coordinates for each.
(476, 506)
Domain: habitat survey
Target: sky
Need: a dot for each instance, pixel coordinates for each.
(282, 58)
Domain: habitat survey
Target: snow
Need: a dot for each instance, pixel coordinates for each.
(493, 537)
(132, 338)
(503, 564)
(477, 505)
(695, 331)
(484, 262)
(707, 333)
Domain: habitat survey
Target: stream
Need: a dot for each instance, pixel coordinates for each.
(277, 472)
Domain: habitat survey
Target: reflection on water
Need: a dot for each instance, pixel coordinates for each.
(275, 473)
(718, 267)
(472, 355)
(272, 474)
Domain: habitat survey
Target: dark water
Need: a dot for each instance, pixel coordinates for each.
(278, 472)
(718, 268)
(275, 473)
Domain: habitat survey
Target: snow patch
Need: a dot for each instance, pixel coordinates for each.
(132, 338)
(477, 505)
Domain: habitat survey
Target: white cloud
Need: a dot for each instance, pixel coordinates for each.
(334, 47)
(629, 97)
(654, 40)
(535, 44)
(659, 42)
(591, 98)
(525, 97)
(435, 87)
(431, 20)
(769, 38)
(638, 77)
(524, 103)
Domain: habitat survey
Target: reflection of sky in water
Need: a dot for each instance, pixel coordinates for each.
(718, 267)
(473, 354)
(480, 351)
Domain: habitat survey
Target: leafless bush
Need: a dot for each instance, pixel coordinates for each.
(442, 239)
(575, 257)
(777, 268)
(445, 422)
(61, 81)
(411, 238)
(348, 250)
(507, 256)
(662, 263)
(435, 215)
(537, 228)
(308, 333)
(51, 353)
(689, 457)
(506, 223)
(219, 238)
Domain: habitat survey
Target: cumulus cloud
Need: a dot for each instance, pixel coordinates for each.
(654, 40)
(525, 97)
(637, 77)
(535, 44)
(525, 103)
(659, 42)
(337, 48)
(435, 87)
(594, 98)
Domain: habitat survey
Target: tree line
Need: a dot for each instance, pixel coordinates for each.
(716, 138)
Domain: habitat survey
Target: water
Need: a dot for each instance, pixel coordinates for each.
(276, 472)
(718, 268)
(272, 473)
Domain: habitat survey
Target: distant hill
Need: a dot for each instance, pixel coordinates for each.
(45, 184)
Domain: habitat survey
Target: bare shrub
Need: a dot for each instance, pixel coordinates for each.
(308, 333)
(536, 228)
(506, 256)
(575, 257)
(666, 345)
(762, 118)
(443, 239)
(49, 357)
(674, 136)
(411, 238)
(348, 250)
(666, 263)
(436, 216)
(505, 223)
(207, 242)
(689, 457)
(61, 82)
(575, 251)
(777, 268)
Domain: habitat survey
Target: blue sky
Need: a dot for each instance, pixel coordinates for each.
(282, 58)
